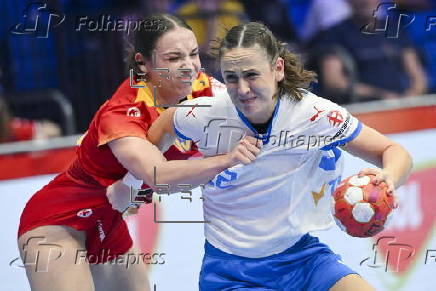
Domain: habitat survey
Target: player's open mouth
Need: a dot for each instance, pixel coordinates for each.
(248, 100)
(187, 76)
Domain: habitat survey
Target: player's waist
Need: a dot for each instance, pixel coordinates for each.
(77, 173)
(215, 249)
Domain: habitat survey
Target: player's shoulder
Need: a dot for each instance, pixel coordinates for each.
(124, 94)
(312, 112)
(208, 106)
(311, 103)
(200, 111)
(126, 106)
(312, 99)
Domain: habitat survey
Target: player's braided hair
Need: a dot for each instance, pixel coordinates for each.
(145, 38)
(247, 35)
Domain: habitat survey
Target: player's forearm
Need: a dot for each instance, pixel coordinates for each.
(397, 162)
(174, 173)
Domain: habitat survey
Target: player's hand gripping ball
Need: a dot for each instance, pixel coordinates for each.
(360, 207)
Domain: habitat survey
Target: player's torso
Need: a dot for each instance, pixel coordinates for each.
(96, 159)
(284, 193)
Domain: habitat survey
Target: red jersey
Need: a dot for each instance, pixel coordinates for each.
(77, 198)
(130, 112)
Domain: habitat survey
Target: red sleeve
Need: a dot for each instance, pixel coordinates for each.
(123, 120)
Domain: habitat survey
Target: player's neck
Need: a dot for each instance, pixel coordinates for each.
(167, 98)
(262, 128)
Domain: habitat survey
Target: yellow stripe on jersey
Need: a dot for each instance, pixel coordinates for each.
(199, 84)
(146, 95)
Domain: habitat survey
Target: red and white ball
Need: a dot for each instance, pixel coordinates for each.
(361, 208)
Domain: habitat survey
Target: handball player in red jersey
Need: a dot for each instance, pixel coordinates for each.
(73, 212)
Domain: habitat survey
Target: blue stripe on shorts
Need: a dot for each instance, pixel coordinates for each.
(307, 265)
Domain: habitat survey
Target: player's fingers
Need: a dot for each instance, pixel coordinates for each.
(253, 141)
(380, 177)
(259, 143)
(247, 149)
(252, 148)
(250, 139)
(391, 187)
(247, 153)
(243, 159)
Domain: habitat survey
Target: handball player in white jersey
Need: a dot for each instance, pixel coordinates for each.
(261, 213)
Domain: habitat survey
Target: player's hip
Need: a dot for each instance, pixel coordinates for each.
(296, 268)
(64, 201)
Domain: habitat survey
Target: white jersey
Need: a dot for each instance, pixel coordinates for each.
(263, 208)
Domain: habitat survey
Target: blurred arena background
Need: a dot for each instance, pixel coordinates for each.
(60, 60)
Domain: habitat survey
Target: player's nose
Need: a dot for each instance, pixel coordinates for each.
(243, 88)
(189, 65)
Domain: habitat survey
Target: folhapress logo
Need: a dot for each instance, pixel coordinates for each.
(389, 19)
(38, 20)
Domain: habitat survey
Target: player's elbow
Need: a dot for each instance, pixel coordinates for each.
(401, 153)
(408, 159)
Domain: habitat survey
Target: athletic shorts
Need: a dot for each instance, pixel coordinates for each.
(84, 208)
(307, 265)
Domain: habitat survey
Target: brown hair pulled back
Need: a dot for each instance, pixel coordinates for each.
(145, 38)
(247, 35)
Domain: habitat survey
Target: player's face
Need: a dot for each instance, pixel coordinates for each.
(176, 51)
(252, 81)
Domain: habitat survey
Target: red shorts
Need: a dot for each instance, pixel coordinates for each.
(82, 207)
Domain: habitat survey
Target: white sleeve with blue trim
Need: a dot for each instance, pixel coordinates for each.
(189, 121)
(333, 124)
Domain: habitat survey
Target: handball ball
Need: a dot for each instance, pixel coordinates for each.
(361, 208)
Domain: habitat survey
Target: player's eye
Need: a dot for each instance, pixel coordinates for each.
(231, 79)
(173, 59)
(194, 54)
(251, 76)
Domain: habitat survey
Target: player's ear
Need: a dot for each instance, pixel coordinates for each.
(140, 62)
(279, 69)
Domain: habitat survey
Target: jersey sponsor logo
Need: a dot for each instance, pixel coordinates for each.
(191, 112)
(318, 195)
(343, 127)
(134, 112)
(314, 117)
(335, 118)
(84, 213)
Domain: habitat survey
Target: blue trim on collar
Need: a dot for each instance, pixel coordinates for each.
(344, 140)
(264, 137)
(181, 135)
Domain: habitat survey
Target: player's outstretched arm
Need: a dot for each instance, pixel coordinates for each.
(395, 162)
(141, 158)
